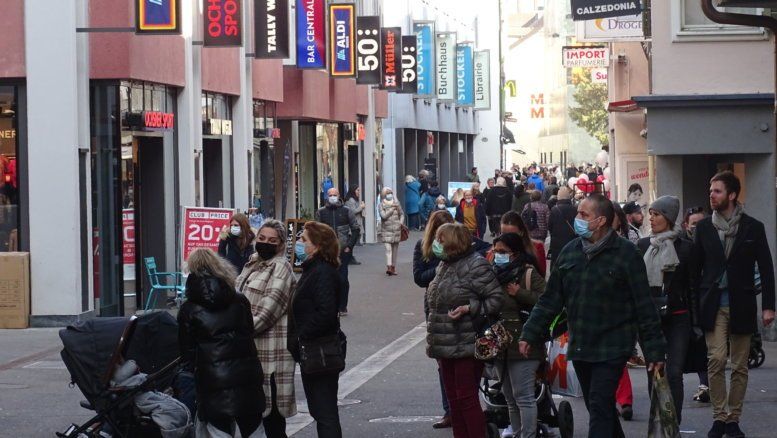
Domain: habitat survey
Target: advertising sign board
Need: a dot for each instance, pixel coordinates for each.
(201, 228)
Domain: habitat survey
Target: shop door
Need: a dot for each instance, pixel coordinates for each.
(213, 172)
(352, 175)
(149, 211)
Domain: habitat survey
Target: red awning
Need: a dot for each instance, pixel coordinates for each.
(623, 106)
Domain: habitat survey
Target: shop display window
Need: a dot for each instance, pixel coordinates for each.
(9, 182)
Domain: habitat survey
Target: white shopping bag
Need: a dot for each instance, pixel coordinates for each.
(561, 372)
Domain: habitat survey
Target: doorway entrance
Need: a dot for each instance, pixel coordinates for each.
(213, 172)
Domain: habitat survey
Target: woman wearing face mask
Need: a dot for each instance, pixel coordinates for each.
(236, 242)
(472, 214)
(667, 257)
(464, 289)
(314, 315)
(268, 282)
(391, 220)
(522, 285)
(440, 203)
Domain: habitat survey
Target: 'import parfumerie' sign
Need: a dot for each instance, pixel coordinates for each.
(592, 9)
(586, 57)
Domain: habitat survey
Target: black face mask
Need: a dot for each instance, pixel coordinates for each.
(266, 250)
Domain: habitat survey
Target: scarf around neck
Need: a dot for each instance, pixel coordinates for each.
(727, 228)
(661, 256)
(592, 249)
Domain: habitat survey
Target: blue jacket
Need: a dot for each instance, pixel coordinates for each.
(537, 180)
(428, 200)
(412, 197)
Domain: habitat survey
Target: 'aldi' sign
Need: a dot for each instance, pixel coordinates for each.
(592, 9)
(341, 45)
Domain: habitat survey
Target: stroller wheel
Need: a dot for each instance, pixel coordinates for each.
(566, 420)
(492, 431)
(757, 358)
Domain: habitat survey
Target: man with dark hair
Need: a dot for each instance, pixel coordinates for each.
(728, 247)
(561, 223)
(602, 282)
(635, 219)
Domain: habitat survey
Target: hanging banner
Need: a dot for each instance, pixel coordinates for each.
(311, 35)
(465, 84)
(482, 72)
(390, 39)
(424, 32)
(271, 29)
(157, 17)
(223, 23)
(341, 36)
(409, 64)
(445, 43)
(368, 50)
(591, 9)
(201, 228)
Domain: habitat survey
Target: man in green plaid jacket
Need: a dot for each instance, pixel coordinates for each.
(601, 280)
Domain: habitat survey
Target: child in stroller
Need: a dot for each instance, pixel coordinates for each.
(122, 365)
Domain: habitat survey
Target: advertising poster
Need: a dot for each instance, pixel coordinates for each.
(390, 39)
(341, 36)
(409, 64)
(424, 32)
(201, 228)
(157, 17)
(445, 43)
(456, 185)
(637, 173)
(368, 50)
(128, 242)
(222, 23)
(482, 72)
(311, 34)
(465, 83)
(271, 29)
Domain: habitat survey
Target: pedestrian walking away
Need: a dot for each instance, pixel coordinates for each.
(412, 202)
(499, 200)
(561, 223)
(464, 292)
(315, 316)
(667, 256)
(392, 218)
(268, 282)
(599, 274)
(216, 334)
(236, 243)
(354, 202)
(343, 222)
(692, 217)
(424, 270)
(429, 200)
(727, 249)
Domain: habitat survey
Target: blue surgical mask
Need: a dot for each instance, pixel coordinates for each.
(581, 228)
(501, 259)
(299, 251)
(438, 249)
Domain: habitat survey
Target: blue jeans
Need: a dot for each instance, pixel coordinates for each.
(345, 286)
(518, 386)
(413, 221)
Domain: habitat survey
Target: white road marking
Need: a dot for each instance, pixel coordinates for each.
(357, 376)
(416, 419)
(46, 365)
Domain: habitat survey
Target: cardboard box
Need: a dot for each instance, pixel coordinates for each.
(14, 290)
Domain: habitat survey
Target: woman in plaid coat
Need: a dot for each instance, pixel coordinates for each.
(268, 282)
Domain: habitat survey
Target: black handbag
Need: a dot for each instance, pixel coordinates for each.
(324, 355)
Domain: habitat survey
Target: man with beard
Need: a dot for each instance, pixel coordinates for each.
(727, 249)
(635, 218)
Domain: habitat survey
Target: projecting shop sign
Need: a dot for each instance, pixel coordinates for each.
(341, 46)
(586, 57)
(390, 39)
(613, 29)
(368, 50)
(464, 81)
(482, 72)
(409, 63)
(223, 23)
(311, 35)
(446, 65)
(271, 27)
(157, 16)
(424, 32)
(591, 9)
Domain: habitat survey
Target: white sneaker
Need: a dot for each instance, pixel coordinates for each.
(508, 433)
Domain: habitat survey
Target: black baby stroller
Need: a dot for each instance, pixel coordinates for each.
(94, 349)
(757, 355)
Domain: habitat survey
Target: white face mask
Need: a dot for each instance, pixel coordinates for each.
(334, 199)
(389, 197)
(440, 206)
(235, 230)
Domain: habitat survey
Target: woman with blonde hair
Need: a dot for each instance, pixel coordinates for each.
(215, 333)
(464, 291)
(391, 220)
(268, 282)
(236, 241)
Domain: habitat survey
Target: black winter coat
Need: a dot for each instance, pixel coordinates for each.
(561, 224)
(709, 261)
(315, 304)
(216, 335)
(678, 284)
(230, 250)
(499, 201)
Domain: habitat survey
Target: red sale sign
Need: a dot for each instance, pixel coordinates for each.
(128, 236)
(201, 228)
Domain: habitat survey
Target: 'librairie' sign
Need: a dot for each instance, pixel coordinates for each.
(586, 57)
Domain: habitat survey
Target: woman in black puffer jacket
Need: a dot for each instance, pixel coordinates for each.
(216, 335)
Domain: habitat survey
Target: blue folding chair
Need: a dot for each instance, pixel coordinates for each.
(159, 281)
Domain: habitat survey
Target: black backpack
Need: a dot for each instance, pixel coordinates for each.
(529, 217)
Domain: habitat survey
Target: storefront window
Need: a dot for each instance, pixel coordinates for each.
(9, 184)
(326, 157)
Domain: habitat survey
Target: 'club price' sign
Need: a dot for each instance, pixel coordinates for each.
(201, 228)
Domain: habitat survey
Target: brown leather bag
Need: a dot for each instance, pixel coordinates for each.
(404, 234)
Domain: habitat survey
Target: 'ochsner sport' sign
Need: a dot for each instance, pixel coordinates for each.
(592, 9)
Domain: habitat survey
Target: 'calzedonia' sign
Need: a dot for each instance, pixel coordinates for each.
(157, 16)
(341, 45)
(592, 9)
(311, 35)
(368, 50)
(271, 29)
(424, 32)
(390, 38)
(446, 65)
(223, 23)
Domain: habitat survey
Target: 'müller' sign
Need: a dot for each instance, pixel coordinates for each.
(391, 38)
